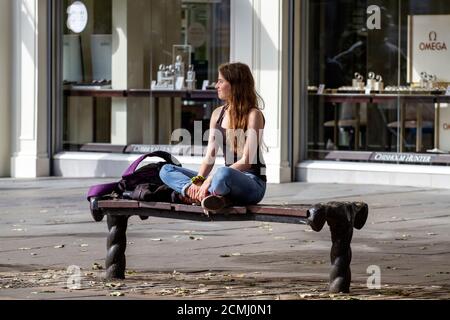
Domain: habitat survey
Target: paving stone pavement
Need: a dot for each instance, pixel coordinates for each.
(46, 227)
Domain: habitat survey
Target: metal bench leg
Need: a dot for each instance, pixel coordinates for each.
(116, 246)
(317, 216)
(342, 218)
(341, 253)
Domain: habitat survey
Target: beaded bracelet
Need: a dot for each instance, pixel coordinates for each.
(197, 179)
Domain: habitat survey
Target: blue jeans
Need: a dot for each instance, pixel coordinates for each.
(241, 188)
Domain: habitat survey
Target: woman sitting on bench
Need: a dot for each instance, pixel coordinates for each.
(236, 128)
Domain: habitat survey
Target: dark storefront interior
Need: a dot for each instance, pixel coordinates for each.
(397, 116)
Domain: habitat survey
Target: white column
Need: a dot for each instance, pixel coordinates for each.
(263, 25)
(5, 86)
(30, 157)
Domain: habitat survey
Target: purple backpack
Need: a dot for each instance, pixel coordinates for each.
(131, 179)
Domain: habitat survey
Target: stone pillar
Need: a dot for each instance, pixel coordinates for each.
(29, 102)
(5, 86)
(266, 32)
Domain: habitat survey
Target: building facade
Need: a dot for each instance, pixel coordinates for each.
(355, 91)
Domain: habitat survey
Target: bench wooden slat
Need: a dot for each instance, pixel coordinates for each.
(199, 209)
(156, 205)
(186, 208)
(126, 204)
(299, 211)
(234, 211)
(290, 211)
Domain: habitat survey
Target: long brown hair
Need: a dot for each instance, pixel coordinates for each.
(243, 98)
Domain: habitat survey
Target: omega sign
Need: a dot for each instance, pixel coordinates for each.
(433, 44)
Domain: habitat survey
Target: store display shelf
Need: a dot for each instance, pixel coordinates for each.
(183, 94)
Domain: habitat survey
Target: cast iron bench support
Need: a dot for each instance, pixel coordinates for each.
(341, 217)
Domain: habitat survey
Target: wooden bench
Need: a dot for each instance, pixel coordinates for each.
(342, 218)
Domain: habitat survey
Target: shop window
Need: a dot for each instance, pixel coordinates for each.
(377, 80)
(139, 70)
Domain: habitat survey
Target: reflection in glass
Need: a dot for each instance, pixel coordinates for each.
(347, 57)
(110, 67)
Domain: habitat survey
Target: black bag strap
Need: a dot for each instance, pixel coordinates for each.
(170, 159)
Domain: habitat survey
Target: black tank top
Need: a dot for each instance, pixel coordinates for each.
(258, 169)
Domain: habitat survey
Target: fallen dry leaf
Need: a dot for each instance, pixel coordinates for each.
(97, 266)
(114, 285)
(195, 238)
(130, 272)
(201, 291)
